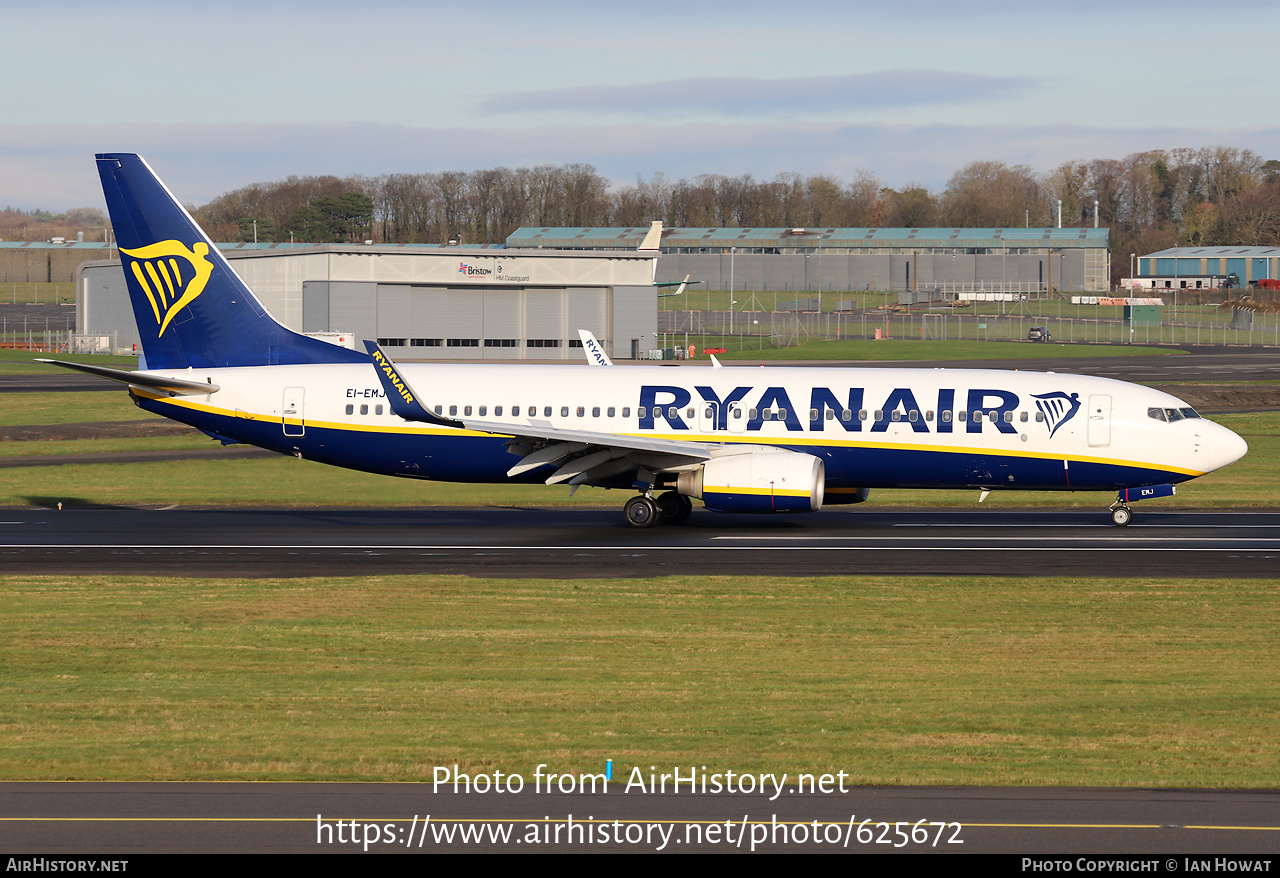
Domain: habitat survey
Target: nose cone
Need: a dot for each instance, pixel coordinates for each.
(1221, 447)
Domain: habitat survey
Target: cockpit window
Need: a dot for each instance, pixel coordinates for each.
(1171, 415)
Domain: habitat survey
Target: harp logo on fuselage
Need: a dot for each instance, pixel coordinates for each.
(171, 276)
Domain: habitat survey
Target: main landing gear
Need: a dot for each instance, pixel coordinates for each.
(644, 511)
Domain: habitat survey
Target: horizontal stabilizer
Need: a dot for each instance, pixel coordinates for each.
(176, 386)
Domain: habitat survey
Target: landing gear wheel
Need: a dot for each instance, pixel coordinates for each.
(1121, 515)
(674, 507)
(641, 511)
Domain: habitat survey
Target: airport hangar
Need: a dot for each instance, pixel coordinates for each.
(948, 261)
(424, 301)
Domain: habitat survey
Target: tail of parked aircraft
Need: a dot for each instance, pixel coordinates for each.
(190, 307)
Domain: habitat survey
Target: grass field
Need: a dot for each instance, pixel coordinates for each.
(999, 681)
(23, 362)
(940, 351)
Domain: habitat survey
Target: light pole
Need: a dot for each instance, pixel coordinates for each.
(732, 252)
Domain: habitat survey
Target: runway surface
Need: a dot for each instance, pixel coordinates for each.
(592, 543)
(119, 819)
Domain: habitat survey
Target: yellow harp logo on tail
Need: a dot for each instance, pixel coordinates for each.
(170, 284)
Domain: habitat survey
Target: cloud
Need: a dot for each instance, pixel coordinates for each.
(52, 167)
(741, 96)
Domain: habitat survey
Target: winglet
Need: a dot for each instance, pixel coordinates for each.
(653, 237)
(715, 364)
(404, 402)
(595, 353)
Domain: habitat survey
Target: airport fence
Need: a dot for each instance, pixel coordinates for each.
(1195, 325)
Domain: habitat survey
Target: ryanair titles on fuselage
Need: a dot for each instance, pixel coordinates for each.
(981, 405)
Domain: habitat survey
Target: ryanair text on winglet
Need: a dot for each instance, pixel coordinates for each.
(392, 376)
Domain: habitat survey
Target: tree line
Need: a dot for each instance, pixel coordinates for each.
(1150, 200)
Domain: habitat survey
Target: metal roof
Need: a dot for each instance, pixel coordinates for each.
(1215, 253)
(238, 245)
(592, 238)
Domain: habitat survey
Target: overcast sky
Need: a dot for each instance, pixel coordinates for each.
(218, 95)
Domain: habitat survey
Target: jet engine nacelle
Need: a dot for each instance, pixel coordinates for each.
(775, 480)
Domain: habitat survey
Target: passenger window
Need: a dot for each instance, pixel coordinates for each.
(438, 410)
(377, 409)
(497, 411)
(782, 414)
(1008, 417)
(1039, 417)
(484, 411)
(862, 414)
(831, 414)
(879, 414)
(672, 413)
(690, 414)
(640, 411)
(364, 409)
(582, 411)
(350, 409)
(736, 412)
(466, 411)
(766, 415)
(961, 416)
(626, 412)
(1022, 416)
(453, 410)
(708, 413)
(611, 411)
(813, 415)
(895, 415)
(977, 417)
(846, 415)
(546, 411)
(928, 416)
(564, 411)
(595, 411)
(913, 415)
(753, 414)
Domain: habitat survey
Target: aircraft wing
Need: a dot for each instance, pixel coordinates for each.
(583, 456)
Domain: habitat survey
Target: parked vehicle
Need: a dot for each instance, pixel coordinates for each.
(1038, 333)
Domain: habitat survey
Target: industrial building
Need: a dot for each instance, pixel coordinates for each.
(1196, 268)
(945, 261)
(424, 302)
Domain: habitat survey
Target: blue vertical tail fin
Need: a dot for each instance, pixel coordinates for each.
(190, 307)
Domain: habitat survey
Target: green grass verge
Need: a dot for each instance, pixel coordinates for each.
(23, 362)
(895, 349)
(928, 680)
(19, 409)
(99, 446)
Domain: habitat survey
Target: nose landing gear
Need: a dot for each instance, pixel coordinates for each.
(1121, 515)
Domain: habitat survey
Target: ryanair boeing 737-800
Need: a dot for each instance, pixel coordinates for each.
(740, 440)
